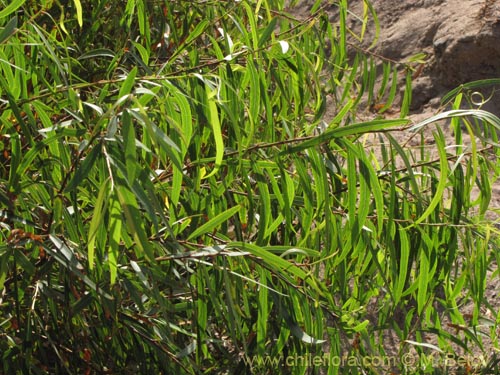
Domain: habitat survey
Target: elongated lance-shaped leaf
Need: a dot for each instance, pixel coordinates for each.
(266, 34)
(115, 230)
(200, 27)
(253, 25)
(469, 86)
(405, 105)
(213, 117)
(344, 131)
(128, 83)
(443, 180)
(255, 99)
(95, 53)
(263, 312)
(404, 252)
(369, 175)
(85, 168)
(79, 12)
(278, 263)
(352, 191)
(426, 272)
(11, 8)
(66, 257)
(129, 146)
(100, 208)
(134, 220)
(213, 223)
(8, 30)
(483, 115)
(409, 169)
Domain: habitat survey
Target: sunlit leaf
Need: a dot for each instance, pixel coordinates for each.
(216, 131)
(213, 223)
(11, 8)
(79, 12)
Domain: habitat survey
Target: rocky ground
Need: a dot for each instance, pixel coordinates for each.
(461, 39)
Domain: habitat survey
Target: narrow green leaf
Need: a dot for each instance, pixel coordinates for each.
(263, 312)
(392, 92)
(409, 170)
(66, 257)
(344, 131)
(375, 21)
(404, 253)
(352, 191)
(288, 192)
(406, 102)
(115, 230)
(144, 52)
(11, 8)
(443, 180)
(134, 221)
(128, 83)
(253, 25)
(79, 12)
(157, 136)
(84, 169)
(177, 178)
(8, 30)
(342, 29)
(213, 116)
(469, 86)
(296, 330)
(480, 114)
(202, 285)
(265, 207)
(271, 228)
(185, 120)
(276, 262)
(195, 33)
(52, 53)
(423, 279)
(15, 172)
(141, 17)
(255, 100)
(376, 190)
(4, 264)
(24, 262)
(213, 223)
(95, 53)
(484, 186)
(129, 146)
(361, 326)
(129, 11)
(339, 117)
(267, 32)
(97, 221)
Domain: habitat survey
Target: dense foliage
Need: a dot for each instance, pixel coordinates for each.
(188, 187)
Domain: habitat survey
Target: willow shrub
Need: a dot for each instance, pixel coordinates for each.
(174, 199)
